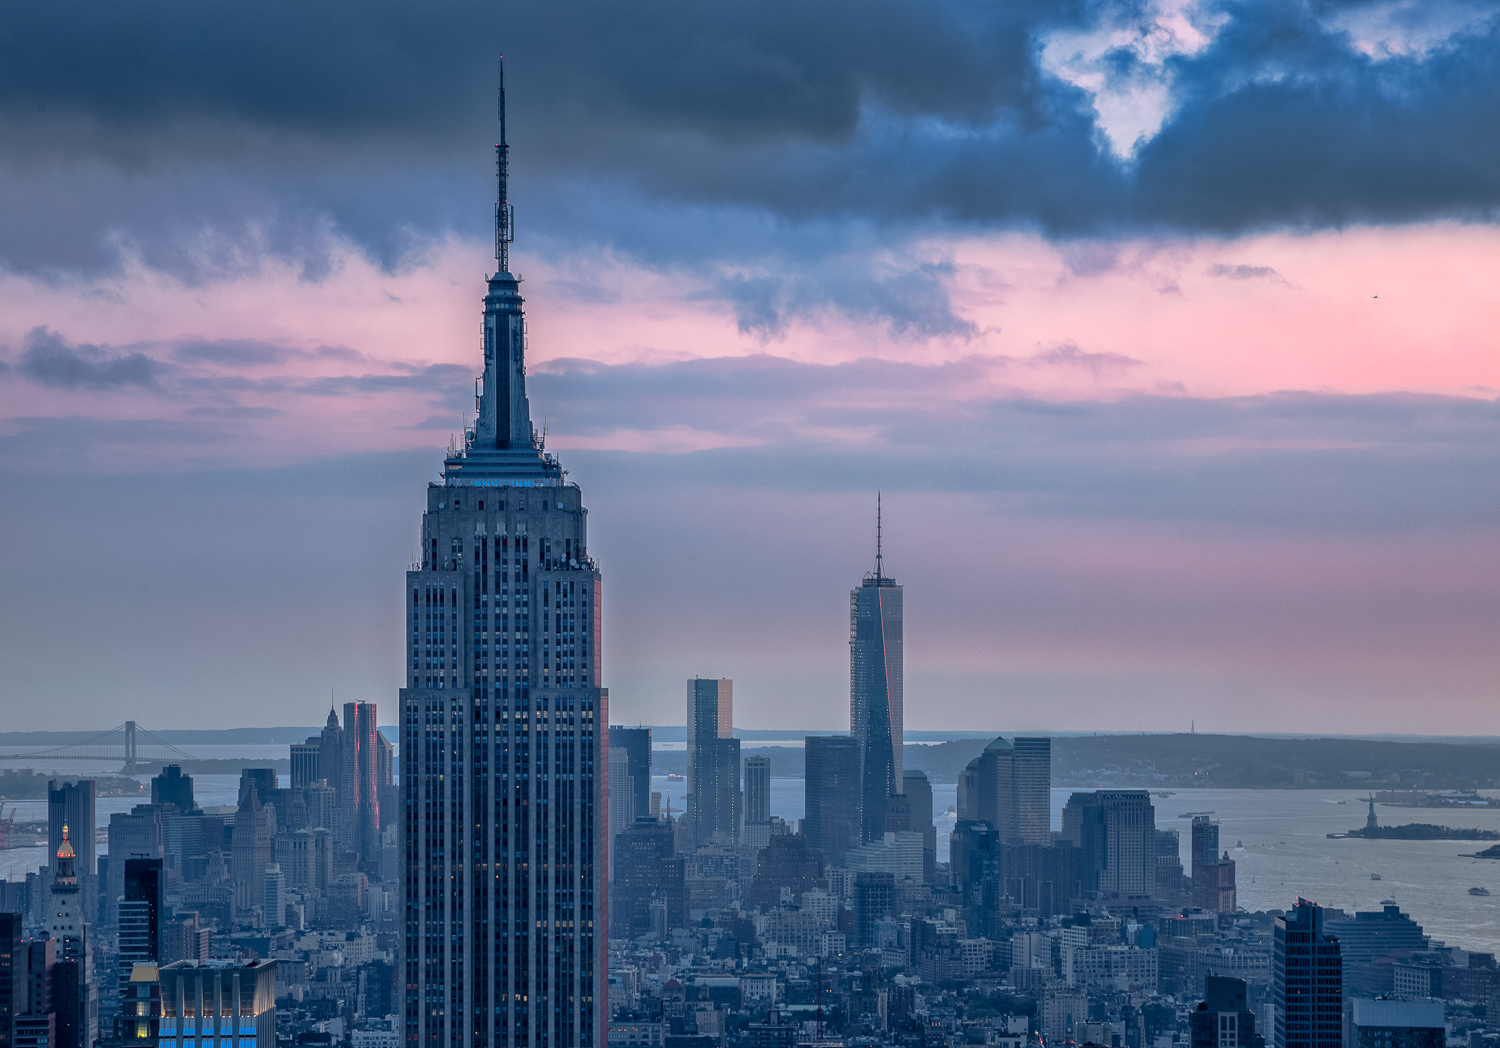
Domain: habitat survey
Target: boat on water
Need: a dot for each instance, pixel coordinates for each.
(1387, 902)
(1479, 891)
(1374, 876)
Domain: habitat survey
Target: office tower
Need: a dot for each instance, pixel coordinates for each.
(1168, 862)
(621, 798)
(504, 731)
(387, 796)
(142, 908)
(1009, 786)
(1307, 981)
(136, 834)
(996, 788)
(875, 689)
(1223, 1018)
(359, 802)
(645, 870)
(305, 762)
(1384, 1023)
(1115, 834)
(1204, 853)
(275, 891)
(250, 851)
(832, 821)
(12, 975)
(757, 801)
(918, 792)
(974, 858)
(1205, 845)
(1213, 875)
(72, 980)
(874, 898)
(1041, 878)
(35, 1022)
(173, 787)
(72, 804)
(787, 863)
(140, 1006)
(636, 742)
(199, 999)
(713, 807)
(1033, 789)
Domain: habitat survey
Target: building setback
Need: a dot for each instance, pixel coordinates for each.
(503, 729)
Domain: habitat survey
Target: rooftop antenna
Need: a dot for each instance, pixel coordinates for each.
(505, 214)
(879, 559)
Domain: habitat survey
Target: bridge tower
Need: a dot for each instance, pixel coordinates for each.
(129, 747)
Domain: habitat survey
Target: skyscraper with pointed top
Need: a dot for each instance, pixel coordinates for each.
(875, 688)
(504, 727)
(73, 976)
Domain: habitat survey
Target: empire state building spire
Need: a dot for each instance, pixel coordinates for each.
(502, 443)
(505, 212)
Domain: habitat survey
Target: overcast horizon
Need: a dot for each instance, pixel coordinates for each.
(1168, 331)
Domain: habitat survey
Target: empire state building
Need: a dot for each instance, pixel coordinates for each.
(503, 728)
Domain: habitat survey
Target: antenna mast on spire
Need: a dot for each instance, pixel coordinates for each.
(505, 214)
(879, 559)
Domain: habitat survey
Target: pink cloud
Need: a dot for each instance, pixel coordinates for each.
(1364, 310)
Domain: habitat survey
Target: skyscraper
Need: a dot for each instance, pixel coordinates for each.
(12, 976)
(1307, 981)
(1033, 771)
(142, 910)
(503, 728)
(1213, 874)
(1115, 832)
(875, 689)
(757, 831)
(72, 981)
(72, 804)
(173, 787)
(636, 742)
(713, 808)
(136, 834)
(832, 782)
(919, 793)
(359, 800)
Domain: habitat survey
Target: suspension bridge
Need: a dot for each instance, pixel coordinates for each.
(127, 744)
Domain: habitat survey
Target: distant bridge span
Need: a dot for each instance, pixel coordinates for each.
(126, 743)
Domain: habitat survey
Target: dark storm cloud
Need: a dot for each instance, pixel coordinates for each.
(202, 138)
(50, 359)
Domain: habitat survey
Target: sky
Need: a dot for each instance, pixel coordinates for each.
(1166, 330)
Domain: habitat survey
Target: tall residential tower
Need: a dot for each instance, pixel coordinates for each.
(504, 728)
(875, 692)
(713, 805)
